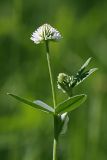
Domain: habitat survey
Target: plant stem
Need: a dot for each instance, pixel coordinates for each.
(55, 149)
(54, 102)
(50, 73)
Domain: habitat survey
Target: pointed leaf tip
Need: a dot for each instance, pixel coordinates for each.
(85, 64)
(37, 104)
(70, 104)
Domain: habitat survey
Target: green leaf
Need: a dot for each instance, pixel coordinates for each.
(36, 104)
(70, 104)
(44, 105)
(64, 123)
(81, 75)
(85, 75)
(85, 65)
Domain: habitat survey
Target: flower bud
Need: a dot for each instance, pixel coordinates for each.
(64, 82)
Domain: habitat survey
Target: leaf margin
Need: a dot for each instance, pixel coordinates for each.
(59, 109)
(32, 104)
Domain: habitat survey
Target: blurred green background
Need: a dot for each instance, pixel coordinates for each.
(25, 133)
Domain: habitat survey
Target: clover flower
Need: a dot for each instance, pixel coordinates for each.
(45, 33)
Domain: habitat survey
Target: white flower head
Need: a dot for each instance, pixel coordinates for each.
(45, 33)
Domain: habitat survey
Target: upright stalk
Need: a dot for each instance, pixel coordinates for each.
(50, 73)
(54, 149)
(54, 101)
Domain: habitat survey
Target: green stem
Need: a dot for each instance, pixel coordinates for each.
(54, 102)
(56, 135)
(50, 73)
(55, 149)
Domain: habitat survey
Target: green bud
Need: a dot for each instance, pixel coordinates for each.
(64, 82)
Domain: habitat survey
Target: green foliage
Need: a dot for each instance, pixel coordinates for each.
(81, 75)
(36, 104)
(66, 83)
(62, 124)
(66, 106)
(23, 71)
(85, 65)
(70, 104)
